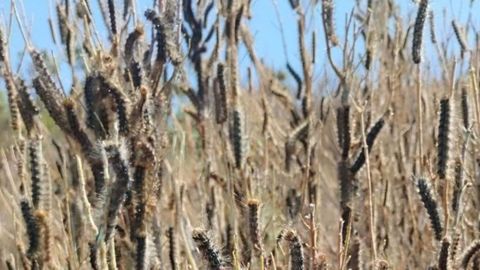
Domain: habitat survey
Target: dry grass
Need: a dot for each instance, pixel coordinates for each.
(381, 173)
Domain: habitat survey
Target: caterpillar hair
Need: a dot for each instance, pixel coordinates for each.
(343, 130)
(33, 229)
(3, 50)
(206, 247)
(28, 109)
(293, 202)
(296, 251)
(42, 218)
(254, 224)
(76, 130)
(371, 136)
(36, 170)
(294, 3)
(220, 95)
(457, 188)
(429, 202)
(443, 146)
(460, 37)
(91, 96)
(172, 244)
(454, 246)
(431, 19)
(119, 164)
(465, 110)
(297, 78)
(132, 38)
(418, 31)
(469, 253)
(121, 104)
(137, 74)
(12, 94)
(93, 256)
(127, 5)
(112, 16)
(141, 251)
(160, 36)
(443, 257)
(52, 101)
(237, 137)
(44, 75)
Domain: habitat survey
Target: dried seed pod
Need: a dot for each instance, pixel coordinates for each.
(430, 203)
(327, 17)
(381, 265)
(70, 47)
(443, 146)
(62, 23)
(208, 250)
(418, 31)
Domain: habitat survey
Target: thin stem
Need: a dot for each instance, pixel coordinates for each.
(419, 117)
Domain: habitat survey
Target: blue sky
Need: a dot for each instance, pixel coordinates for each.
(264, 24)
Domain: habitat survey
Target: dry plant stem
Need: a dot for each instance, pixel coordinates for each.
(84, 198)
(371, 199)
(419, 118)
(474, 84)
(112, 262)
(447, 182)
